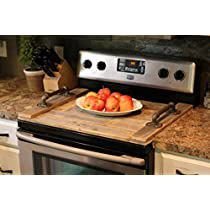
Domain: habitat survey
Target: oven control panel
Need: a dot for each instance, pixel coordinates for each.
(131, 66)
(172, 75)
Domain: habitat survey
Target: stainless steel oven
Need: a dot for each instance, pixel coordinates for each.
(40, 156)
(52, 149)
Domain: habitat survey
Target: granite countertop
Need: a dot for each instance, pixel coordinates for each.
(15, 97)
(189, 135)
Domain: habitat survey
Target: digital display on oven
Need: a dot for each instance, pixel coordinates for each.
(132, 63)
(131, 66)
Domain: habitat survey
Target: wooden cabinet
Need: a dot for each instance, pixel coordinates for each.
(9, 160)
(9, 152)
(176, 164)
(8, 132)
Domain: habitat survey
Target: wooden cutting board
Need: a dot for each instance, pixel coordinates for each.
(131, 128)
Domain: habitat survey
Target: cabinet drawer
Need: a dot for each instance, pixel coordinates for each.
(3, 139)
(8, 132)
(170, 164)
(9, 160)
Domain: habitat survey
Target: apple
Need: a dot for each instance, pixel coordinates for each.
(116, 95)
(99, 105)
(89, 102)
(126, 103)
(125, 98)
(91, 93)
(104, 93)
(112, 104)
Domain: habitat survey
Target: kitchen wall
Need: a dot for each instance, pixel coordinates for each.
(196, 48)
(187, 47)
(9, 65)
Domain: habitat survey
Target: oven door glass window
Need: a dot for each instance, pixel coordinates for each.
(45, 164)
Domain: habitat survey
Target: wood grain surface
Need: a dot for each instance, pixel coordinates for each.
(52, 102)
(131, 128)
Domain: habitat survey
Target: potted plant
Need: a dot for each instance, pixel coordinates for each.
(28, 46)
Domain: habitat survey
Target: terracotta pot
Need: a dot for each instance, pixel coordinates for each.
(34, 80)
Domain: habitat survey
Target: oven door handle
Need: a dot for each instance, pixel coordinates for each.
(119, 159)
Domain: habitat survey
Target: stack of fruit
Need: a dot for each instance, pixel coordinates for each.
(104, 100)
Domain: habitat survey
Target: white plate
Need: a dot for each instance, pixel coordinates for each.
(137, 106)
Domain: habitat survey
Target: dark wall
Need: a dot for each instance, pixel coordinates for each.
(9, 66)
(196, 48)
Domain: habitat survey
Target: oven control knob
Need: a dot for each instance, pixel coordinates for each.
(101, 65)
(87, 64)
(179, 75)
(163, 73)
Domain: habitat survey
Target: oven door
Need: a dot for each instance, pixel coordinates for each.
(39, 156)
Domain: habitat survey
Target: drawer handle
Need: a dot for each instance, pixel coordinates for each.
(4, 134)
(6, 171)
(179, 172)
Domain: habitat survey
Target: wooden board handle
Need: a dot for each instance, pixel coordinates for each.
(55, 101)
(63, 91)
(170, 108)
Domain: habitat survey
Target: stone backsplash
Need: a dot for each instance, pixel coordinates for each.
(196, 48)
